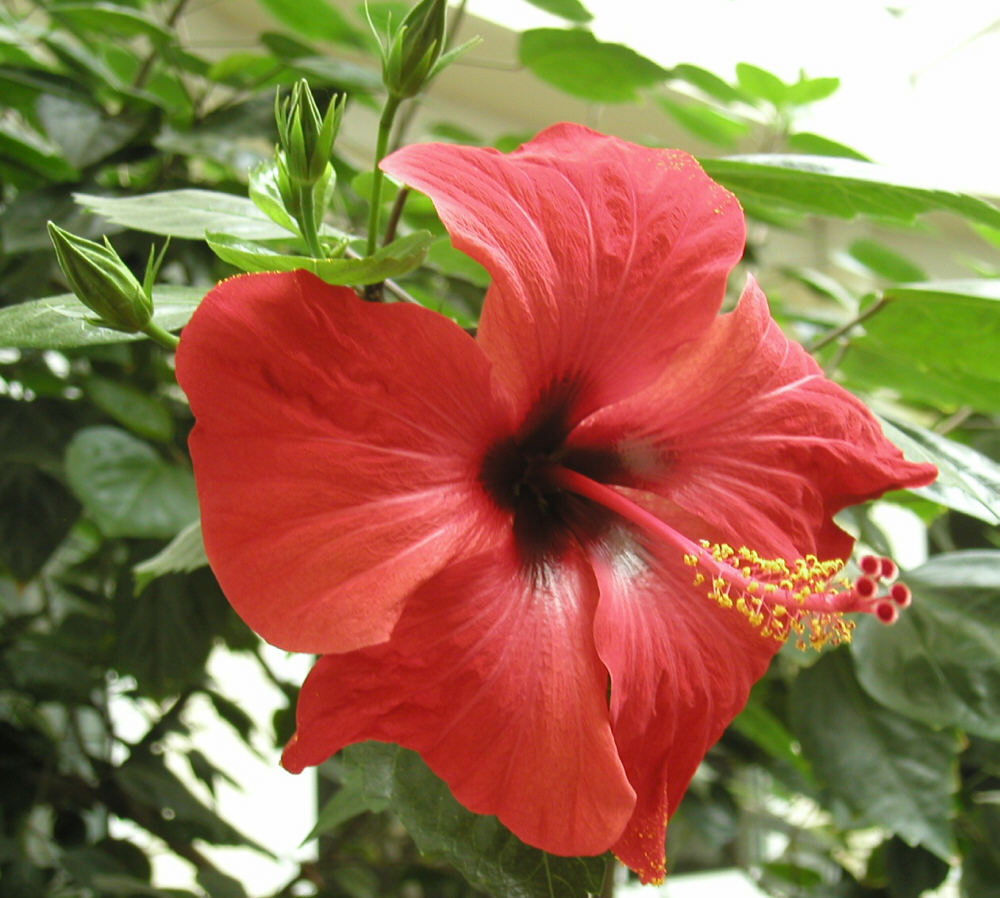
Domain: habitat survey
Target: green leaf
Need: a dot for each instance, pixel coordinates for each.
(349, 801)
(762, 84)
(940, 662)
(36, 512)
(968, 481)
(164, 637)
(887, 770)
(842, 188)
(708, 83)
(126, 487)
(483, 850)
(83, 132)
(571, 10)
(314, 19)
(27, 160)
(62, 322)
(766, 729)
(392, 261)
(185, 213)
(454, 263)
(110, 19)
(266, 195)
(811, 90)
(885, 262)
(142, 414)
(183, 554)
(704, 121)
(579, 64)
(933, 343)
(816, 145)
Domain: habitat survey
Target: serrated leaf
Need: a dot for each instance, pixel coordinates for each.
(842, 188)
(62, 322)
(887, 769)
(184, 553)
(571, 10)
(940, 662)
(483, 850)
(126, 487)
(141, 413)
(398, 258)
(578, 63)
(968, 481)
(185, 213)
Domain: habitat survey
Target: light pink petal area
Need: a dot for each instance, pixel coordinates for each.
(681, 669)
(336, 451)
(744, 430)
(491, 674)
(605, 255)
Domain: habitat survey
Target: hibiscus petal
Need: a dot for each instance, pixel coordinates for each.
(745, 431)
(681, 669)
(605, 255)
(491, 674)
(336, 452)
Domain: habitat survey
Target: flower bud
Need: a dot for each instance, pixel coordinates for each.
(102, 281)
(414, 49)
(306, 138)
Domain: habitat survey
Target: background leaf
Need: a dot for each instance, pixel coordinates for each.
(126, 487)
(579, 64)
(854, 744)
(940, 662)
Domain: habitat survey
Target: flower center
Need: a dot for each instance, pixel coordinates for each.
(807, 597)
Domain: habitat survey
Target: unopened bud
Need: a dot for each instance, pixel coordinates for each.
(415, 49)
(102, 281)
(306, 138)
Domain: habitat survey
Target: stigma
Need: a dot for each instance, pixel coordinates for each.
(806, 597)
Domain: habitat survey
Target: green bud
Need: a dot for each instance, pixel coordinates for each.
(102, 281)
(306, 138)
(414, 49)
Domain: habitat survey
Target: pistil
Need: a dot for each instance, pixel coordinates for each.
(807, 596)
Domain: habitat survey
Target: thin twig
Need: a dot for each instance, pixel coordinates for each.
(844, 328)
(395, 214)
(147, 65)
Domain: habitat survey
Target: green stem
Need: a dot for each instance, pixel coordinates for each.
(844, 328)
(384, 130)
(307, 221)
(156, 333)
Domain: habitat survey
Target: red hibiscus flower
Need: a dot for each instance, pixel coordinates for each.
(552, 559)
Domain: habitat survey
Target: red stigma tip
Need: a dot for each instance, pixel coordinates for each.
(871, 565)
(886, 612)
(901, 595)
(889, 569)
(866, 587)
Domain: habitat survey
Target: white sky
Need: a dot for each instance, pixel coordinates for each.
(918, 89)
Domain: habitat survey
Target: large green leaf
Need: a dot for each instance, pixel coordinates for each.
(316, 19)
(840, 187)
(126, 487)
(392, 261)
(579, 64)
(938, 341)
(111, 19)
(887, 769)
(62, 322)
(968, 481)
(940, 662)
(485, 852)
(185, 213)
(571, 10)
